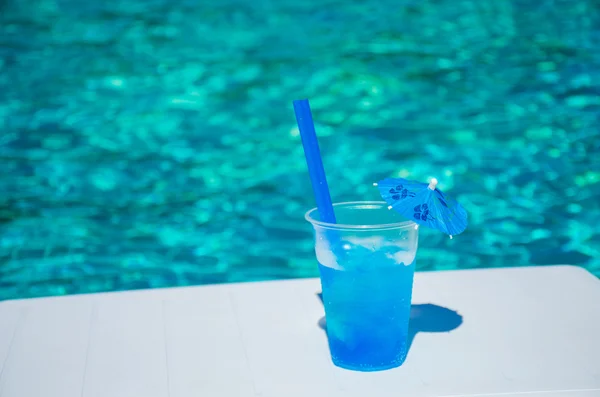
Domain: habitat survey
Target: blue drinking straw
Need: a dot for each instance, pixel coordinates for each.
(314, 161)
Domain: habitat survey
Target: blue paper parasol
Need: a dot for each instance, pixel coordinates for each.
(424, 204)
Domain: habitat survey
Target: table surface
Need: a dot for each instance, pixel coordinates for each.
(532, 331)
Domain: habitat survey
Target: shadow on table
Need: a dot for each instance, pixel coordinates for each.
(423, 318)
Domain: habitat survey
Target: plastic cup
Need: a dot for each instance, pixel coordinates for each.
(367, 264)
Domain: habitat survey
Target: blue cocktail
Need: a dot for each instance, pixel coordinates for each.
(367, 263)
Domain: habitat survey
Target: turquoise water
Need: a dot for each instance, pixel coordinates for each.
(367, 314)
(153, 144)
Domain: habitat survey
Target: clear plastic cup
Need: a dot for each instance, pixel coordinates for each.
(367, 264)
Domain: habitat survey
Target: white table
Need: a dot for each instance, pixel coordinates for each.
(531, 332)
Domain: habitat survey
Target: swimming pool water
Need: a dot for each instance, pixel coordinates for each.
(153, 143)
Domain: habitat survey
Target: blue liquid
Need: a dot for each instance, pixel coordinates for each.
(367, 314)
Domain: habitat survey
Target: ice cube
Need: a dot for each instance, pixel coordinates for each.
(403, 256)
(351, 256)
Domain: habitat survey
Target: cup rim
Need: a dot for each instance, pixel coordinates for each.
(337, 226)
